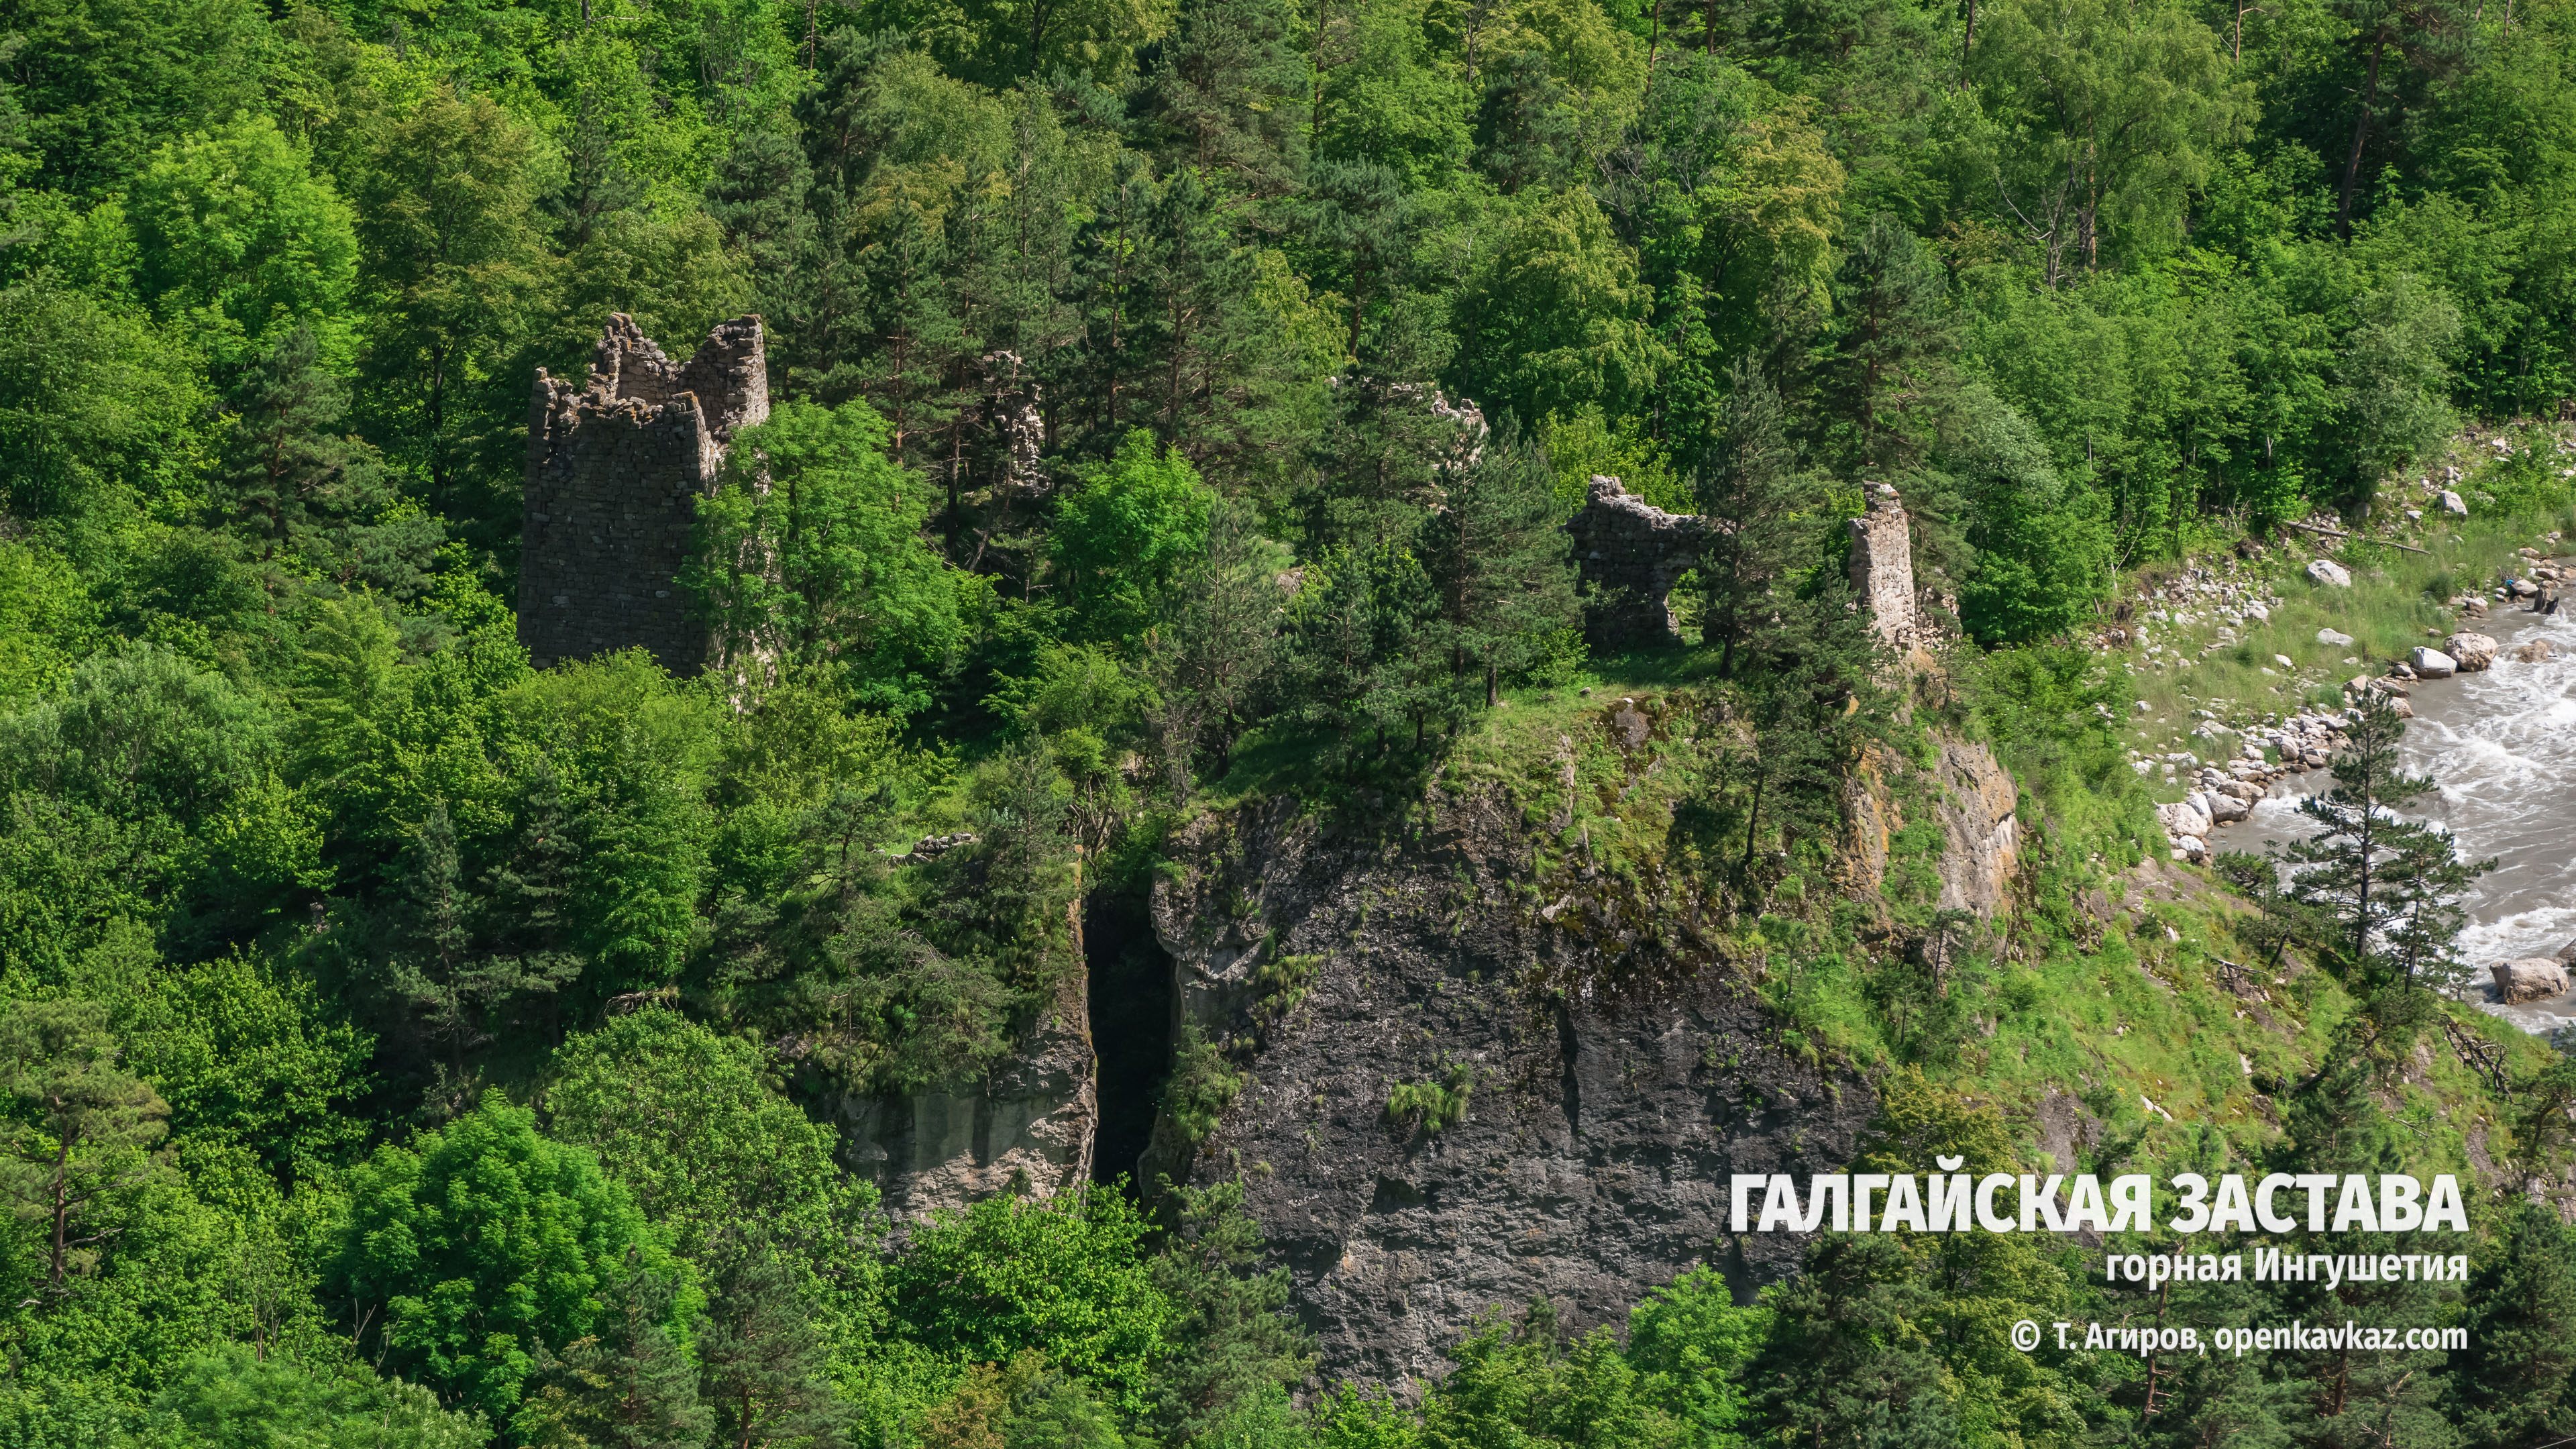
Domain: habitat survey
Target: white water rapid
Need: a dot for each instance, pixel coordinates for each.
(2501, 745)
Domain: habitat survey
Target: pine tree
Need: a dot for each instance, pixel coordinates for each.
(1881, 361)
(913, 369)
(86, 1133)
(527, 901)
(629, 1386)
(2391, 884)
(433, 937)
(1846, 1364)
(1355, 642)
(758, 195)
(2357, 1395)
(1115, 305)
(1360, 218)
(1764, 515)
(1230, 97)
(1204, 389)
(289, 486)
(1498, 557)
(2517, 1384)
(767, 1366)
(1232, 1338)
(1216, 643)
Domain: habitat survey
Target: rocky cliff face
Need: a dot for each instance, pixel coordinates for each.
(1974, 799)
(1030, 1127)
(1604, 1107)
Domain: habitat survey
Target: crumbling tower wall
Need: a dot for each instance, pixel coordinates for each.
(1630, 553)
(615, 469)
(1881, 567)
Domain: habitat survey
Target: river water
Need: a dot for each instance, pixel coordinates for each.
(2501, 746)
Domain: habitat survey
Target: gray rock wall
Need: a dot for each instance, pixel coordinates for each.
(614, 471)
(1028, 1128)
(1607, 1113)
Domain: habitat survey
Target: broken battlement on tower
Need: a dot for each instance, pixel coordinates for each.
(615, 469)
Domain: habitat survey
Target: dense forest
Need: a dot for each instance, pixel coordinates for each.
(407, 1045)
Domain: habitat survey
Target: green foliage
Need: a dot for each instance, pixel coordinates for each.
(1121, 468)
(691, 1124)
(46, 622)
(2392, 374)
(808, 555)
(85, 1135)
(1201, 1085)
(1234, 1349)
(629, 1384)
(248, 1055)
(1556, 316)
(1520, 1384)
(1284, 980)
(303, 499)
(1497, 560)
(481, 1247)
(1695, 1343)
(100, 414)
(453, 256)
(1068, 1277)
(238, 1399)
(241, 238)
(1125, 535)
(1434, 1105)
(2391, 886)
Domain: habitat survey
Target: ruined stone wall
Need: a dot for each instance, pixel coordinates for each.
(1882, 566)
(615, 467)
(1630, 552)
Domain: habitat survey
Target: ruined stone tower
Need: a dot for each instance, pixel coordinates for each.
(615, 468)
(1882, 566)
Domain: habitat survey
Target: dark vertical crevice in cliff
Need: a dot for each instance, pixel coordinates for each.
(1131, 1024)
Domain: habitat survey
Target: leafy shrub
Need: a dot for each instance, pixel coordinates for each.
(1201, 1085)
(1440, 1104)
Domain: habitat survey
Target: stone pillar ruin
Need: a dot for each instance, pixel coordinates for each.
(615, 469)
(1629, 553)
(1882, 565)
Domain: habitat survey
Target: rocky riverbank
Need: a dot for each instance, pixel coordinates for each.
(2250, 755)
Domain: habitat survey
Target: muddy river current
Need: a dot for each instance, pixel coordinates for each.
(2501, 745)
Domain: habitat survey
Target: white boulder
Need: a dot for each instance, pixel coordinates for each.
(2327, 571)
(2529, 978)
(2429, 663)
(2452, 505)
(2334, 637)
(2184, 818)
(2472, 652)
